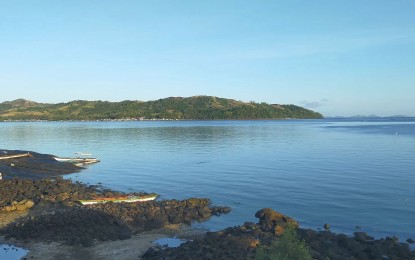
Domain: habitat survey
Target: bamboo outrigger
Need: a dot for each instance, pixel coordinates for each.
(15, 156)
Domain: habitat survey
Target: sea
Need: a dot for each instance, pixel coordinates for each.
(355, 174)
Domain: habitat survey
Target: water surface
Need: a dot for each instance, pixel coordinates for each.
(342, 172)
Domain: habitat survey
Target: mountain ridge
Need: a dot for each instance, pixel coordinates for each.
(21, 102)
(182, 108)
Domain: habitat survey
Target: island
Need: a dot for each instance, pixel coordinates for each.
(172, 108)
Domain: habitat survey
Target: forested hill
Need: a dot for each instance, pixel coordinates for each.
(197, 107)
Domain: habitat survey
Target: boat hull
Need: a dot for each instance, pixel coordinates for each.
(77, 160)
(149, 197)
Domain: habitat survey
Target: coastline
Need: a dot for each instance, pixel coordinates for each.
(40, 211)
(49, 227)
(131, 248)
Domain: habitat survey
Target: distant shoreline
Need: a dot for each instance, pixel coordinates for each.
(392, 118)
(163, 119)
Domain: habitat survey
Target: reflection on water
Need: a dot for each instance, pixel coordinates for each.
(346, 173)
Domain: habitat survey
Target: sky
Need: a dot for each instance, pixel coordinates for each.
(340, 58)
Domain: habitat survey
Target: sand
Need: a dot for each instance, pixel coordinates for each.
(8, 217)
(132, 248)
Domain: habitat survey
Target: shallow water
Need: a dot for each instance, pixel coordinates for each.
(11, 252)
(342, 172)
(169, 242)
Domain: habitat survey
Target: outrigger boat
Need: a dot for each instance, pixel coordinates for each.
(143, 198)
(78, 160)
(15, 156)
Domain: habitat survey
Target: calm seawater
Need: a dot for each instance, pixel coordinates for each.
(342, 172)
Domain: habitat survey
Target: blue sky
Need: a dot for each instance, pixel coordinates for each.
(335, 57)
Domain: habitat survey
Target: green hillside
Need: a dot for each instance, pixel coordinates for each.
(198, 107)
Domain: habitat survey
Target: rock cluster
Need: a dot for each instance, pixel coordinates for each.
(18, 205)
(57, 215)
(232, 243)
(325, 244)
(51, 190)
(241, 242)
(272, 222)
(156, 214)
(76, 226)
(35, 166)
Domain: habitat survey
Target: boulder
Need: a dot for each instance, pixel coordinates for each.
(29, 204)
(278, 230)
(10, 208)
(20, 207)
(205, 212)
(244, 241)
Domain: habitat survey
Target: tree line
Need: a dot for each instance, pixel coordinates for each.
(191, 108)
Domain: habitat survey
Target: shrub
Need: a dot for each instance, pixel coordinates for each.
(287, 247)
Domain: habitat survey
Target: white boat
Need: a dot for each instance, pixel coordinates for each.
(143, 198)
(79, 159)
(76, 160)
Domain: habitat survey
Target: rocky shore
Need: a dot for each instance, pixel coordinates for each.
(34, 166)
(56, 215)
(43, 213)
(241, 242)
(39, 208)
(51, 214)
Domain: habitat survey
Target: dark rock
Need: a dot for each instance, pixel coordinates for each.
(390, 242)
(268, 218)
(157, 222)
(249, 225)
(205, 212)
(34, 166)
(65, 220)
(87, 241)
(362, 256)
(175, 219)
(362, 236)
(75, 226)
(226, 209)
(151, 252)
(316, 245)
(241, 243)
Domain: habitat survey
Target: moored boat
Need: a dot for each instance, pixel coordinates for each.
(78, 160)
(143, 198)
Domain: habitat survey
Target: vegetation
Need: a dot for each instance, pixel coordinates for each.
(287, 247)
(198, 107)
